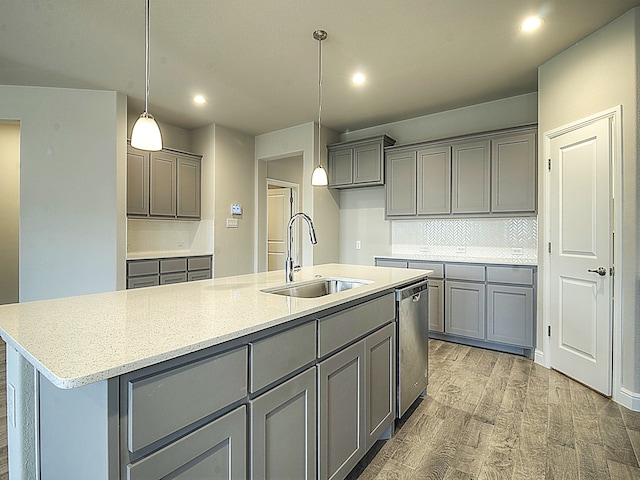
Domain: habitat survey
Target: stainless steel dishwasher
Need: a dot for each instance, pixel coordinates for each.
(412, 316)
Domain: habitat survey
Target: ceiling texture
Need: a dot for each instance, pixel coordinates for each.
(257, 62)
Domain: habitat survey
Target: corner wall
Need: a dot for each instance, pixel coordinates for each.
(9, 212)
(597, 74)
(72, 172)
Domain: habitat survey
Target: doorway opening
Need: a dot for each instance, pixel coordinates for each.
(282, 203)
(9, 211)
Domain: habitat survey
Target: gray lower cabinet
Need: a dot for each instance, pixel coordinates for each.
(436, 305)
(341, 390)
(283, 430)
(163, 271)
(464, 309)
(217, 450)
(380, 371)
(510, 315)
(387, 262)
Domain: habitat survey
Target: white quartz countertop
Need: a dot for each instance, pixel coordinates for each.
(515, 260)
(80, 340)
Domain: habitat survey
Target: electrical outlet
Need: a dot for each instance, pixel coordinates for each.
(461, 249)
(358, 245)
(516, 251)
(424, 249)
(180, 245)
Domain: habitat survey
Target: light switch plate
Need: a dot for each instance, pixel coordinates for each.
(232, 223)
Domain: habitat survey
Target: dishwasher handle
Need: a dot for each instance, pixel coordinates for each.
(412, 291)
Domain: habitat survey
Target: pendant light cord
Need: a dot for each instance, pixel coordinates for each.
(319, 99)
(146, 93)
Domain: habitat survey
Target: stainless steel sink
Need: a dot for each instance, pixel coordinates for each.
(316, 288)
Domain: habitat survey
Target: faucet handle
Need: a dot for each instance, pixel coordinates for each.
(296, 268)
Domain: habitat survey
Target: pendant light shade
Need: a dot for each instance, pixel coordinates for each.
(146, 132)
(319, 176)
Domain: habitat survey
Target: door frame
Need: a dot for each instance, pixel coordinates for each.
(295, 207)
(614, 115)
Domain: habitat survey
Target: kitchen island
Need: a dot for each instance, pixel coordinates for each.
(177, 378)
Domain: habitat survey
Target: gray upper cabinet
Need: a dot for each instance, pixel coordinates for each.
(401, 184)
(513, 173)
(481, 175)
(163, 184)
(137, 182)
(471, 177)
(434, 181)
(188, 187)
(358, 163)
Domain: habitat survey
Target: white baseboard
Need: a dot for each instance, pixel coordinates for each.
(539, 358)
(628, 399)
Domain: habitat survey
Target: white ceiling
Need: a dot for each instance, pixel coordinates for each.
(257, 62)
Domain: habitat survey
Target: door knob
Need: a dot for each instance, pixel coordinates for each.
(600, 271)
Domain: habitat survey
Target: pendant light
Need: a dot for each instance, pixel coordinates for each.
(146, 132)
(319, 176)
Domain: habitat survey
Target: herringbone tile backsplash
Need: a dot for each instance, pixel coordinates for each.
(482, 237)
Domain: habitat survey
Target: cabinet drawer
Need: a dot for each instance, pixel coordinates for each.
(217, 447)
(281, 354)
(171, 265)
(199, 275)
(465, 272)
(199, 263)
(161, 404)
(339, 329)
(142, 267)
(168, 278)
(140, 282)
(438, 268)
(508, 274)
(387, 262)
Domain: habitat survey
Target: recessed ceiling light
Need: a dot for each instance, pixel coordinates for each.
(531, 23)
(199, 99)
(358, 78)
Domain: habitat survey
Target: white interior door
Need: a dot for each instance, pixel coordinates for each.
(278, 213)
(581, 254)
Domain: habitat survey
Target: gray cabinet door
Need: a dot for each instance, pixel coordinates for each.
(513, 173)
(137, 182)
(381, 382)
(217, 450)
(188, 188)
(163, 185)
(283, 430)
(464, 309)
(340, 167)
(510, 315)
(436, 305)
(434, 181)
(367, 164)
(401, 183)
(471, 177)
(341, 384)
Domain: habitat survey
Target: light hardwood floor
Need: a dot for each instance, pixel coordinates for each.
(490, 415)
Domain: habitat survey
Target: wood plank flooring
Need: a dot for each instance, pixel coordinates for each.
(490, 415)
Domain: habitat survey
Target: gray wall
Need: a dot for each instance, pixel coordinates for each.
(599, 73)
(234, 183)
(72, 177)
(362, 210)
(9, 211)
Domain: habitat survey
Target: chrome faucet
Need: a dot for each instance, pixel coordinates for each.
(288, 267)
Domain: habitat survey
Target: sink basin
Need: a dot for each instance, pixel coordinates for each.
(316, 288)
